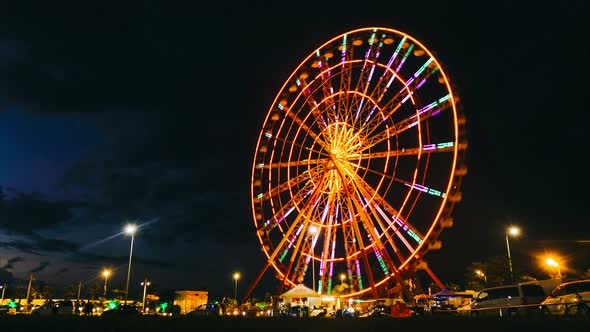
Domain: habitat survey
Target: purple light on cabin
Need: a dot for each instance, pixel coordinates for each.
(435, 112)
(428, 147)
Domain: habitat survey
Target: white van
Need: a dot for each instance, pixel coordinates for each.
(507, 300)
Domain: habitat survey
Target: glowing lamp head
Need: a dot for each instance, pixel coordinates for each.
(130, 229)
(106, 273)
(313, 230)
(551, 262)
(342, 276)
(513, 231)
(236, 275)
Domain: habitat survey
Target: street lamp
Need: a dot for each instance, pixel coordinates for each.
(312, 231)
(130, 229)
(145, 283)
(106, 274)
(512, 231)
(342, 276)
(3, 290)
(482, 275)
(236, 278)
(553, 263)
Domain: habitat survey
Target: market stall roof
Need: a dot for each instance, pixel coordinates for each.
(445, 293)
(300, 291)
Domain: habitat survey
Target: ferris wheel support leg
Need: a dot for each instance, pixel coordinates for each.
(433, 276)
(253, 285)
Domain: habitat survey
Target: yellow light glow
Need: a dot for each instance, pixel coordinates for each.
(106, 273)
(313, 230)
(236, 275)
(514, 231)
(479, 273)
(130, 229)
(342, 276)
(551, 262)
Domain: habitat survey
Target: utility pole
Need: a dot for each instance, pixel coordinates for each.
(79, 288)
(29, 288)
(3, 290)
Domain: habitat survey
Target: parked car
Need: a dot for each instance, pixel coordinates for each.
(122, 311)
(505, 300)
(206, 310)
(55, 308)
(570, 298)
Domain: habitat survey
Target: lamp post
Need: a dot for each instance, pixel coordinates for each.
(342, 276)
(3, 290)
(145, 283)
(106, 274)
(236, 278)
(481, 274)
(553, 263)
(512, 231)
(312, 231)
(130, 229)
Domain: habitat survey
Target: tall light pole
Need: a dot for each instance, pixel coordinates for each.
(312, 231)
(512, 231)
(130, 229)
(481, 274)
(342, 276)
(106, 274)
(3, 290)
(145, 283)
(553, 263)
(236, 278)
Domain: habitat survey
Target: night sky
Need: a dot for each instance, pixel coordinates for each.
(148, 111)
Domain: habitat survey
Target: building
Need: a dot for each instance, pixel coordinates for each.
(189, 299)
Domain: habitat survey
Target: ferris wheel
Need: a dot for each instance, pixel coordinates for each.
(358, 164)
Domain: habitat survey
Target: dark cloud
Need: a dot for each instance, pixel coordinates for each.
(37, 245)
(41, 267)
(88, 258)
(25, 213)
(10, 262)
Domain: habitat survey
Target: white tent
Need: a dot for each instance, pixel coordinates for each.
(300, 291)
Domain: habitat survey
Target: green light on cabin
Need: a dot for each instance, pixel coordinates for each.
(284, 254)
(444, 145)
(112, 304)
(444, 98)
(434, 192)
(260, 195)
(329, 286)
(414, 236)
(163, 306)
(12, 304)
(344, 44)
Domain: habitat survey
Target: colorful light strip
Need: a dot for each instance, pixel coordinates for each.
(425, 189)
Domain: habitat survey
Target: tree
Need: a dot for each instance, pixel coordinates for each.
(95, 289)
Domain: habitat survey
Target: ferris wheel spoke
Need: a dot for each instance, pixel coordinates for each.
(381, 254)
(301, 147)
(423, 114)
(378, 199)
(306, 175)
(357, 237)
(364, 191)
(367, 71)
(295, 163)
(428, 148)
(305, 127)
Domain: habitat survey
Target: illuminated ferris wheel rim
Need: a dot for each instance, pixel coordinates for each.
(455, 151)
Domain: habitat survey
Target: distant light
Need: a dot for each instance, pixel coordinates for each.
(130, 229)
(514, 231)
(106, 273)
(313, 229)
(236, 275)
(551, 262)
